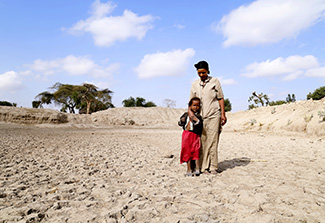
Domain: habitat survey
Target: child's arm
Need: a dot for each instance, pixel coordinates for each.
(182, 120)
(192, 116)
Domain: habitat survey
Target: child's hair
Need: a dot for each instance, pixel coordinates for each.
(194, 99)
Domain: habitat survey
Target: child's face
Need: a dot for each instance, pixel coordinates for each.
(195, 107)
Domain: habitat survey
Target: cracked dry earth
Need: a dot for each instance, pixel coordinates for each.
(117, 174)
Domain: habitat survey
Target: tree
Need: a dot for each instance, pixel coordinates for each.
(81, 97)
(37, 104)
(130, 102)
(228, 106)
(93, 99)
(169, 103)
(150, 104)
(318, 94)
(291, 98)
(138, 102)
(261, 98)
(7, 103)
(67, 95)
(45, 97)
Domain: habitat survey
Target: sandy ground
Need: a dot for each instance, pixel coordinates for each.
(133, 174)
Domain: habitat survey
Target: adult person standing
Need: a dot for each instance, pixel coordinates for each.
(208, 89)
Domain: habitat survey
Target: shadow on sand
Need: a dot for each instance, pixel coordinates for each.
(230, 164)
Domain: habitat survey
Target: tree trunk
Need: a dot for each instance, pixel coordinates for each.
(88, 107)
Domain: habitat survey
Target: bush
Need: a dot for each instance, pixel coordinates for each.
(138, 102)
(273, 103)
(318, 94)
(7, 103)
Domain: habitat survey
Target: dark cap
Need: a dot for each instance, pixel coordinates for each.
(202, 64)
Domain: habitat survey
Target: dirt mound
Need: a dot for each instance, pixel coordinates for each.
(300, 116)
(31, 115)
(139, 116)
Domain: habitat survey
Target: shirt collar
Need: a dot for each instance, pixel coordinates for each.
(203, 83)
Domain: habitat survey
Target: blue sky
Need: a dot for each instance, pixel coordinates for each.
(148, 48)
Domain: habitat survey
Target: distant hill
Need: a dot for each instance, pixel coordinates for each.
(300, 116)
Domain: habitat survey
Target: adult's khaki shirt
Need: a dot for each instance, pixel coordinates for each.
(209, 92)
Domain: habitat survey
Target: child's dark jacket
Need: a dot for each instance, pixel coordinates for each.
(197, 126)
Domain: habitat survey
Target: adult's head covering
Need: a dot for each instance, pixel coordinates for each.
(202, 64)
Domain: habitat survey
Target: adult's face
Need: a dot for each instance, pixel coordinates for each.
(203, 74)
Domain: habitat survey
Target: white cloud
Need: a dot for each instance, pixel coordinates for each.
(72, 65)
(227, 81)
(269, 21)
(107, 30)
(106, 71)
(171, 63)
(179, 26)
(9, 82)
(292, 67)
(293, 76)
(316, 72)
(76, 65)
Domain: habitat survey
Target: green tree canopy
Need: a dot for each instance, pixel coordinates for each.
(94, 99)
(228, 106)
(84, 97)
(138, 102)
(318, 94)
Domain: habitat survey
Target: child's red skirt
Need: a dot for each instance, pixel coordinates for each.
(190, 146)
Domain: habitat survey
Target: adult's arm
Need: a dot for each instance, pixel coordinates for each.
(223, 113)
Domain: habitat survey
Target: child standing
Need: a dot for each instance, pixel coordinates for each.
(191, 136)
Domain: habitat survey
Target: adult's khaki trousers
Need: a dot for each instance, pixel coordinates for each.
(209, 143)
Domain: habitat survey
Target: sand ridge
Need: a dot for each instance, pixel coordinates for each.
(297, 117)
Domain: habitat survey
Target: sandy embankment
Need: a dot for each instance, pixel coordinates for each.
(298, 117)
(129, 171)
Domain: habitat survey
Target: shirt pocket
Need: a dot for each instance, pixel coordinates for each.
(213, 92)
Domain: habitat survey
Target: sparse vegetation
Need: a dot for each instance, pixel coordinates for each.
(252, 121)
(308, 118)
(290, 98)
(321, 115)
(274, 103)
(289, 122)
